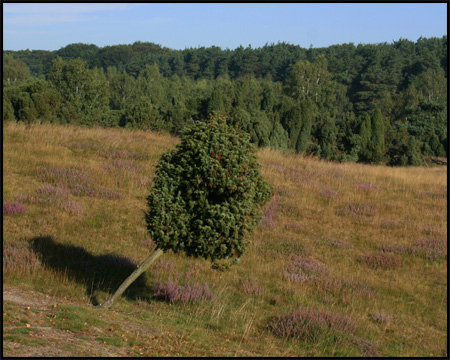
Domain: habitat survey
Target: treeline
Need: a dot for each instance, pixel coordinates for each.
(383, 103)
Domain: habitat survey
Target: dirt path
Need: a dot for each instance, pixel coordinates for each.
(49, 341)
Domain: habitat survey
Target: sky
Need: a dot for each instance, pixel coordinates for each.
(51, 26)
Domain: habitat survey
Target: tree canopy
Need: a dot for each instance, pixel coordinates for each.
(316, 100)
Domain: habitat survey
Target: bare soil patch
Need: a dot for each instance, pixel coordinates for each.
(46, 340)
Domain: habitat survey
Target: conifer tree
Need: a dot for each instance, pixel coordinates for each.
(377, 144)
(207, 196)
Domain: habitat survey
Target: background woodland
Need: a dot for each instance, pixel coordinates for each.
(372, 103)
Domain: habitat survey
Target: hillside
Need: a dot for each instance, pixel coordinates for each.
(349, 259)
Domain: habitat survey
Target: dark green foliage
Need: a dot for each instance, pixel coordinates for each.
(344, 102)
(142, 115)
(327, 137)
(377, 145)
(14, 71)
(208, 194)
(8, 110)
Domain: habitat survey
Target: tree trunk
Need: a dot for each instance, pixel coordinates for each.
(134, 275)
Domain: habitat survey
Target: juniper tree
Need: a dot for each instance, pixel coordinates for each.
(207, 196)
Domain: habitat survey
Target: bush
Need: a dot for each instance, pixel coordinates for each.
(382, 261)
(208, 194)
(309, 325)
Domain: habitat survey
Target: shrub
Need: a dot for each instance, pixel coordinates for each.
(301, 269)
(334, 242)
(206, 199)
(382, 261)
(19, 256)
(366, 347)
(357, 210)
(308, 324)
(13, 208)
(171, 291)
(208, 194)
(76, 181)
(270, 214)
(430, 249)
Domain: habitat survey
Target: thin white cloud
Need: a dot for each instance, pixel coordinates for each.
(51, 13)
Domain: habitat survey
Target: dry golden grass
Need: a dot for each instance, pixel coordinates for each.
(335, 215)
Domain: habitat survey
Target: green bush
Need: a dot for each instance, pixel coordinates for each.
(208, 193)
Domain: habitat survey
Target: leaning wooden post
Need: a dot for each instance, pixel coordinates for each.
(134, 275)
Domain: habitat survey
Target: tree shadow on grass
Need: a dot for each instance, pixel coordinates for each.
(96, 272)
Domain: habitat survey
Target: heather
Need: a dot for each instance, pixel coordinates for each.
(381, 261)
(308, 325)
(77, 181)
(348, 260)
(173, 292)
(13, 208)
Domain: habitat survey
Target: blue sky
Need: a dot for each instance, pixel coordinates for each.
(50, 26)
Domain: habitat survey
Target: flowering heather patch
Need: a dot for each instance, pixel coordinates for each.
(76, 181)
(335, 242)
(308, 325)
(13, 208)
(165, 265)
(121, 165)
(369, 187)
(251, 288)
(397, 249)
(366, 347)
(431, 249)
(301, 269)
(72, 207)
(108, 194)
(270, 213)
(52, 195)
(357, 210)
(171, 291)
(148, 243)
(64, 177)
(123, 154)
(382, 260)
(345, 289)
(49, 194)
(19, 256)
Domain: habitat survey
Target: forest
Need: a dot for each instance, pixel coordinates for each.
(372, 103)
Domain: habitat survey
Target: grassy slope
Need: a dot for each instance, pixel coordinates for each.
(340, 216)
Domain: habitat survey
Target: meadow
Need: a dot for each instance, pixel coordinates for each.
(349, 259)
